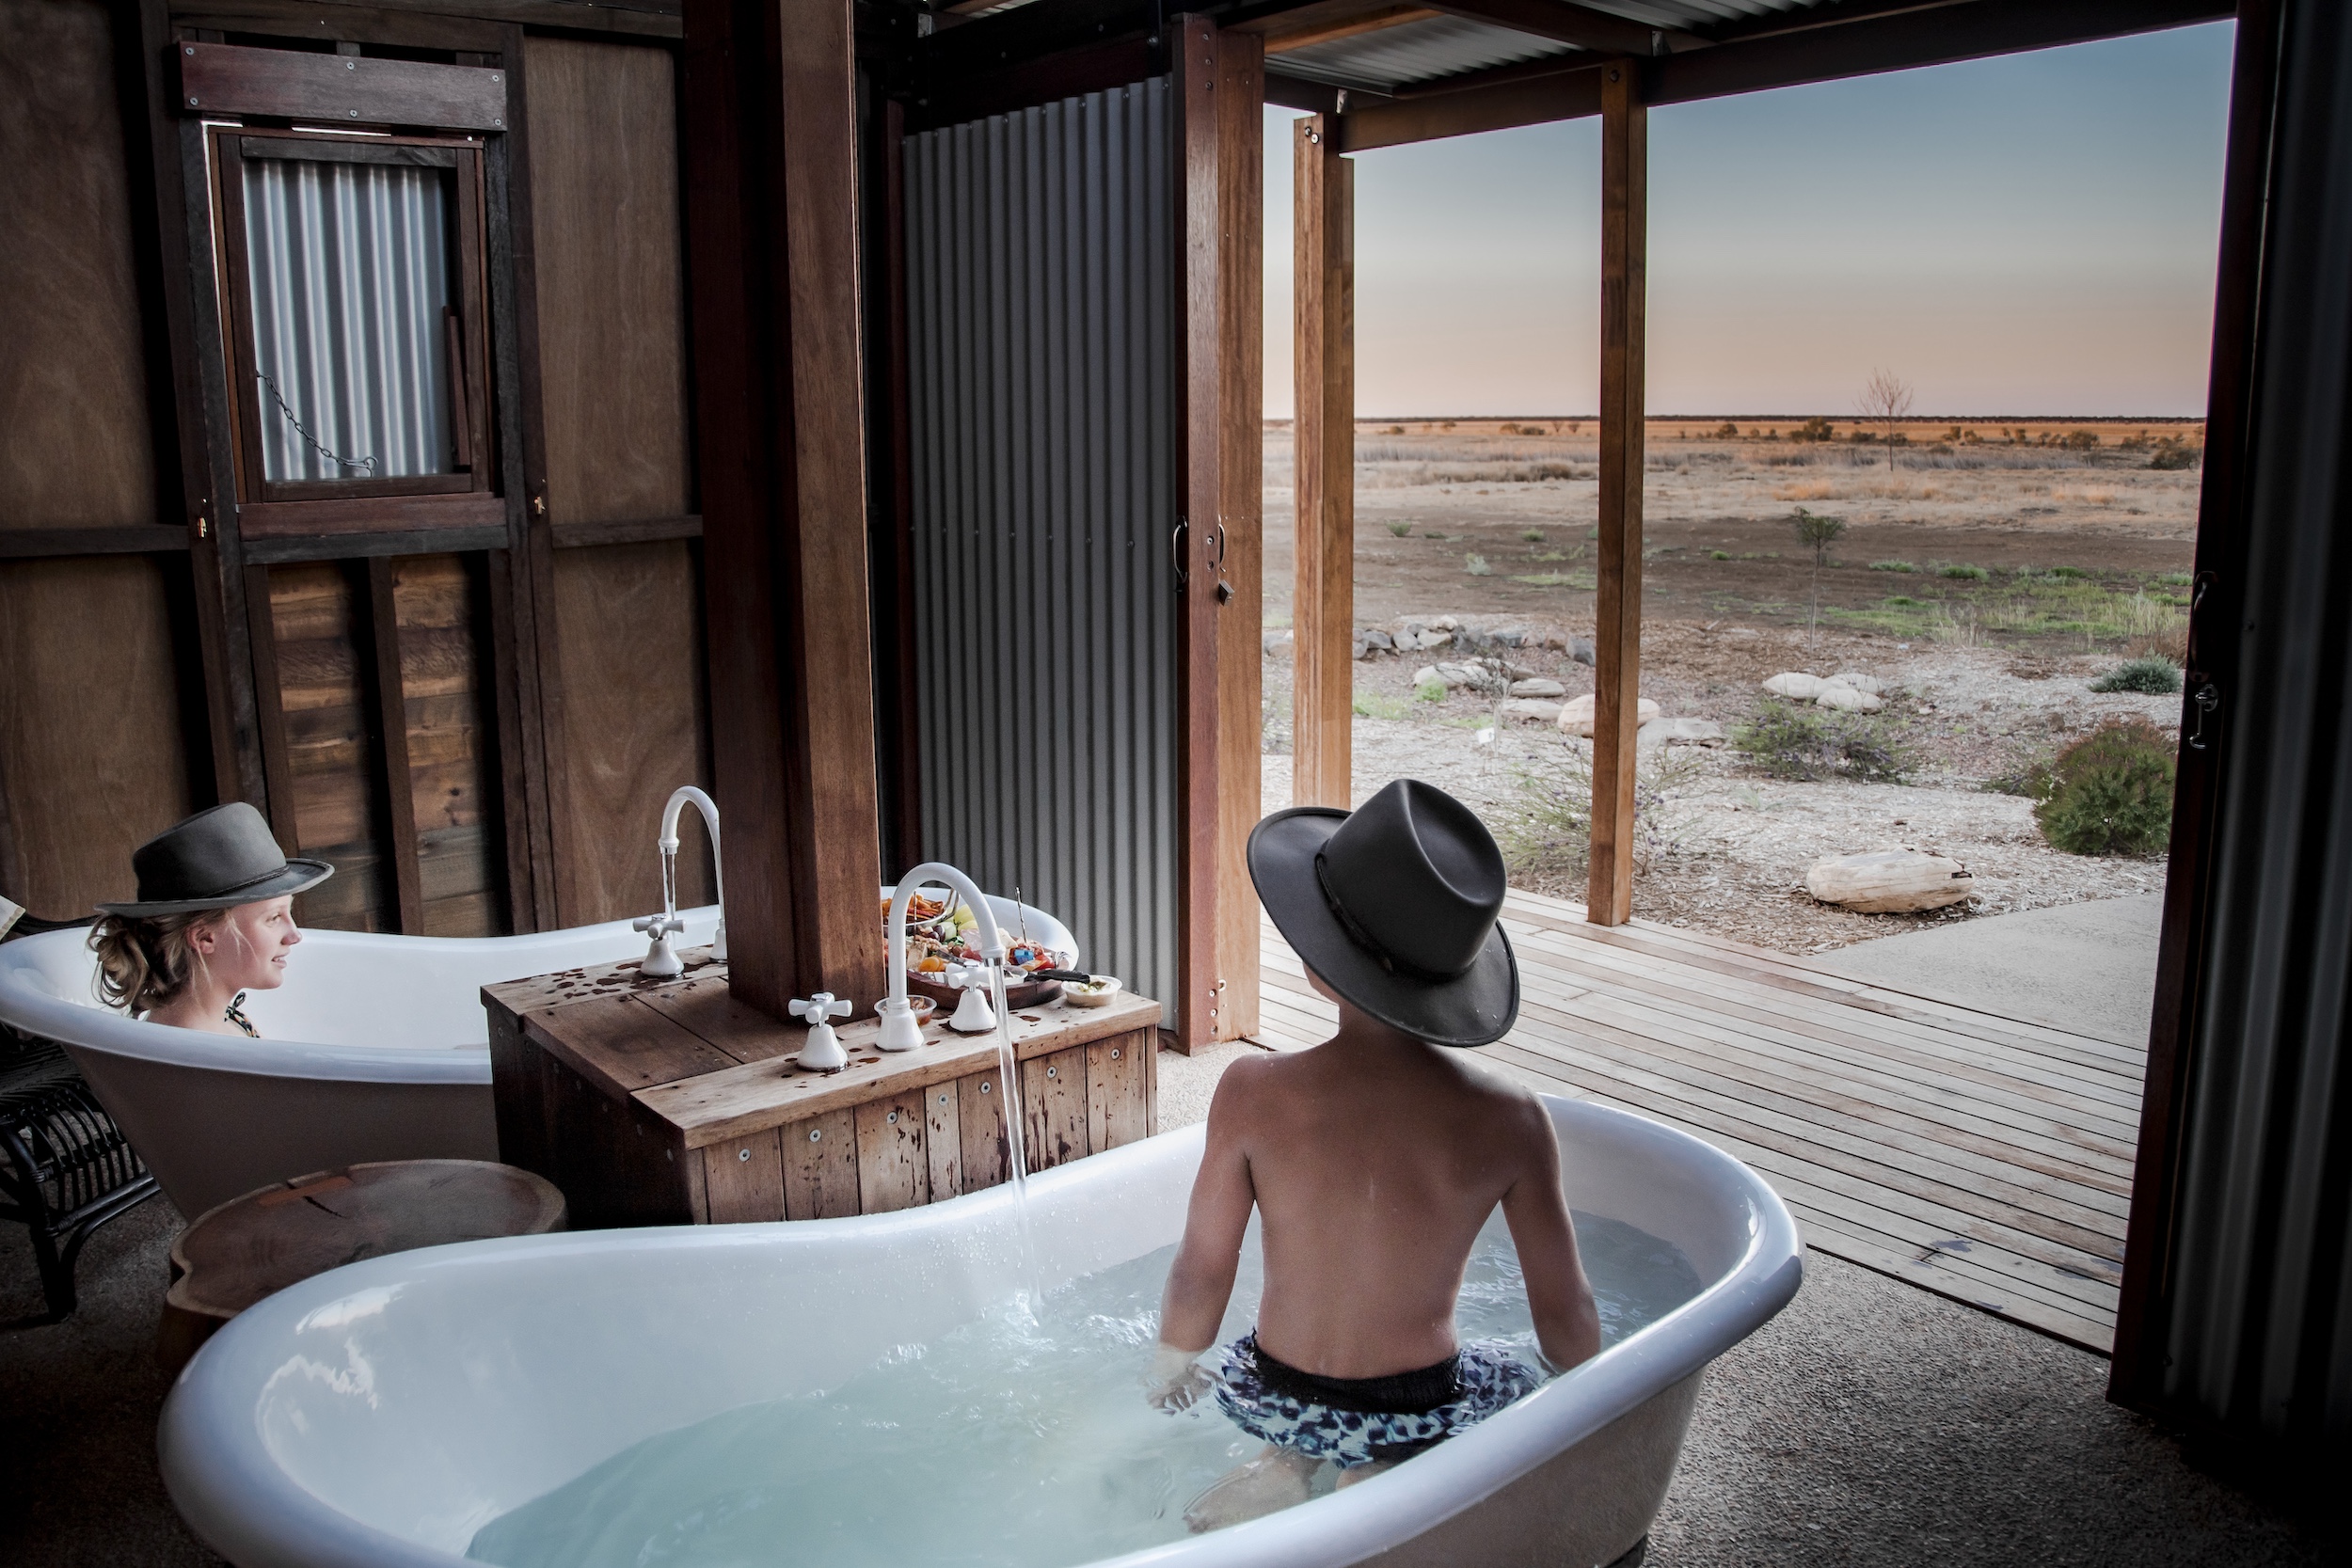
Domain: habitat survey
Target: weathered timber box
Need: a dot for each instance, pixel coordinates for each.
(669, 1102)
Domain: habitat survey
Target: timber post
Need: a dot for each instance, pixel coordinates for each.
(1617, 610)
(772, 211)
(1323, 601)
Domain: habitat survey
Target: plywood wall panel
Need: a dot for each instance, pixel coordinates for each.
(91, 748)
(612, 301)
(606, 230)
(77, 449)
(630, 647)
(92, 759)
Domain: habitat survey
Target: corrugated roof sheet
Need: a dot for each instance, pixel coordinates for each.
(1414, 54)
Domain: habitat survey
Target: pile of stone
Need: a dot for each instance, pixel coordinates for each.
(1848, 690)
(1423, 633)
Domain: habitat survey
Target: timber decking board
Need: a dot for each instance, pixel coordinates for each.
(1983, 1157)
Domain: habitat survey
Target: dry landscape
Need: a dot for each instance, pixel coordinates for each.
(1987, 579)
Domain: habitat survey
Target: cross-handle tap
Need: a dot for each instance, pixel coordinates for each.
(973, 1014)
(823, 1052)
(661, 961)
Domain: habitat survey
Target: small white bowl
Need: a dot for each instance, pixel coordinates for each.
(1097, 992)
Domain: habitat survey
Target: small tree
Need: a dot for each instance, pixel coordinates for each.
(1818, 534)
(1885, 400)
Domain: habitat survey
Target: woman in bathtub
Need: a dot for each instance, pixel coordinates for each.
(1373, 1159)
(212, 921)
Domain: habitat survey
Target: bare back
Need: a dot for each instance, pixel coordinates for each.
(1373, 1160)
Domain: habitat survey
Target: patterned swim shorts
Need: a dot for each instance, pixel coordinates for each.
(1487, 1377)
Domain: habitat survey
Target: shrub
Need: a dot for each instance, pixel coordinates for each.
(1532, 536)
(1546, 827)
(2174, 580)
(1719, 555)
(1393, 430)
(2081, 440)
(1791, 742)
(2070, 573)
(1892, 566)
(2172, 453)
(1400, 529)
(1727, 431)
(1476, 567)
(2111, 793)
(2156, 677)
(1815, 429)
(1965, 574)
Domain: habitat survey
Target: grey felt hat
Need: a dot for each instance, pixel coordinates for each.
(215, 860)
(1395, 906)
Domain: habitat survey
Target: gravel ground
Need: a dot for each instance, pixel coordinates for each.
(1741, 840)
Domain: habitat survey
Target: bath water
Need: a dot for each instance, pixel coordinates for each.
(1021, 1438)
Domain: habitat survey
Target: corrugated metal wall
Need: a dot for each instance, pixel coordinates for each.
(350, 277)
(1043, 353)
(2259, 1330)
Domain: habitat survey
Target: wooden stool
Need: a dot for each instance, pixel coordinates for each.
(279, 1235)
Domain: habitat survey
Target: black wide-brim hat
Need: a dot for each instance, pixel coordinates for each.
(1395, 906)
(215, 860)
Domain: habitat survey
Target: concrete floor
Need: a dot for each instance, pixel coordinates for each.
(2090, 968)
(1869, 1423)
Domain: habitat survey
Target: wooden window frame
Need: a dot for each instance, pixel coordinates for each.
(466, 498)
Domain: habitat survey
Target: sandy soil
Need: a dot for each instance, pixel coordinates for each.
(1987, 669)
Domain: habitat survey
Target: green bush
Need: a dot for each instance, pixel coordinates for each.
(1400, 529)
(1892, 566)
(1965, 574)
(1719, 555)
(1545, 828)
(1532, 536)
(2156, 677)
(2172, 453)
(1791, 742)
(2111, 793)
(2071, 573)
(1476, 565)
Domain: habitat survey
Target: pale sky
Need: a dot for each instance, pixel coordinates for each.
(2033, 234)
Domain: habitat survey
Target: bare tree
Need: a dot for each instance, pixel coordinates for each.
(1885, 400)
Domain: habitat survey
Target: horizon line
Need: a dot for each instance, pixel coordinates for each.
(1775, 419)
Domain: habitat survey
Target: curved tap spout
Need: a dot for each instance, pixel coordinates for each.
(900, 1032)
(709, 809)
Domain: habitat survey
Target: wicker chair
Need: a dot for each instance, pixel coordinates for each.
(65, 1167)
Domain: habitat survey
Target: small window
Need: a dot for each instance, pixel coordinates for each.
(354, 293)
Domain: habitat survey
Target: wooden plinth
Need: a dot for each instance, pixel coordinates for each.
(669, 1102)
(253, 1246)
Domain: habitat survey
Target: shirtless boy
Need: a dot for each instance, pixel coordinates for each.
(1373, 1160)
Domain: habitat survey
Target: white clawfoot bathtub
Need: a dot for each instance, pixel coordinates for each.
(381, 1414)
(375, 1047)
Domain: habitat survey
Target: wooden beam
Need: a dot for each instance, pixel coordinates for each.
(1282, 41)
(1323, 598)
(22, 544)
(771, 204)
(1617, 611)
(226, 78)
(1193, 1018)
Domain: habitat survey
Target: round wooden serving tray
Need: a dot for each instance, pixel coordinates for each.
(1031, 993)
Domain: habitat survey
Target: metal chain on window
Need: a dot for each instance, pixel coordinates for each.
(283, 407)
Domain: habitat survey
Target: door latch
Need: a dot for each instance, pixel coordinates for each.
(2207, 698)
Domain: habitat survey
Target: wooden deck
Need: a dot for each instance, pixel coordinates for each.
(1982, 1158)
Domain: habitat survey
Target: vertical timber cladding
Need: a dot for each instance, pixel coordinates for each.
(1042, 351)
(630, 684)
(92, 753)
